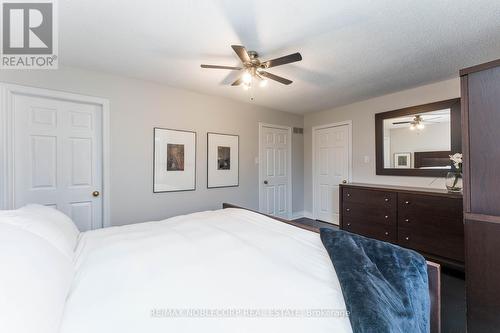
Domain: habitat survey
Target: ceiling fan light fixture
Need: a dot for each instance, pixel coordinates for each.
(412, 127)
(246, 86)
(263, 83)
(247, 78)
(254, 68)
(420, 126)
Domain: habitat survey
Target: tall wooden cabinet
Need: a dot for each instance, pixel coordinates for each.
(481, 148)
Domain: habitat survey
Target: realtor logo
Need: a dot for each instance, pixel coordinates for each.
(29, 35)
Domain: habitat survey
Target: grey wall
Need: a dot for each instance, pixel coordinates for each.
(432, 137)
(362, 115)
(138, 106)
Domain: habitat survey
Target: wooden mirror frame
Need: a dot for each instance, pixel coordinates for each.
(456, 136)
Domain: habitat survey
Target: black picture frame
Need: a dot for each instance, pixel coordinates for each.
(238, 158)
(154, 158)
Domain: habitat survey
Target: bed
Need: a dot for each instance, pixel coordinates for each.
(182, 274)
(433, 271)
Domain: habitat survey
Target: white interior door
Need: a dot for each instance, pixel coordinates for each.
(275, 171)
(58, 157)
(331, 162)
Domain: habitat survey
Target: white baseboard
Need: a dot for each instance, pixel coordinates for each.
(309, 215)
(301, 214)
(297, 215)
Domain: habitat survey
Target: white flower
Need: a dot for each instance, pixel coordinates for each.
(457, 160)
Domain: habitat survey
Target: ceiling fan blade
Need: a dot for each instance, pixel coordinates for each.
(241, 52)
(402, 122)
(221, 67)
(237, 82)
(275, 77)
(283, 60)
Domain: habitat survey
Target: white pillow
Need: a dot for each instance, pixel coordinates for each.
(46, 222)
(34, 282)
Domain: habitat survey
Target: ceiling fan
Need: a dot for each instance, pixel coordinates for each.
(254, 68)
(417, 122)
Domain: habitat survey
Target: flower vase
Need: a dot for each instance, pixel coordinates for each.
(454, 182)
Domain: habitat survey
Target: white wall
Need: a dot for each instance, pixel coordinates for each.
(434, 137)
(362, 115)
(138, 106)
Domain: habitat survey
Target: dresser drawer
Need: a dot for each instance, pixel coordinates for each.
(380, 231)
(369, 197)
(431, 224)
(428, 206)
(370, 214)
(433, 241)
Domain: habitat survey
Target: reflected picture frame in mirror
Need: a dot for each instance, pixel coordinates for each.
(402, 160)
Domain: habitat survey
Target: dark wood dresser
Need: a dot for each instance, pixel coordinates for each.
(481, 147)
(427, 220)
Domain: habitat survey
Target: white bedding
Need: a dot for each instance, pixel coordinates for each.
(226, 260)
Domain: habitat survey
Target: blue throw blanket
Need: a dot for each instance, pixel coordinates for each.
(385, 287)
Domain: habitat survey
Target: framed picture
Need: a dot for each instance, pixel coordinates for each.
(402, 160)
(222, 160)
(174, 160)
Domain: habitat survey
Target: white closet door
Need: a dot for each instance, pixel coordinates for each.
(332, 168)
(58, 157)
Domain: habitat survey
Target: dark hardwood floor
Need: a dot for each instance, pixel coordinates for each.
(452, 290)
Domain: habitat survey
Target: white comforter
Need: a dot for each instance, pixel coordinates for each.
(248, 273)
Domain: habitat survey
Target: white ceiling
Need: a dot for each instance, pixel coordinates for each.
(352, 49)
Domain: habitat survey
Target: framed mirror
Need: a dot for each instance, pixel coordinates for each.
(417, 141)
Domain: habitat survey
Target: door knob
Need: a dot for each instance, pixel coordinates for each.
(344, 181)
(95, 193)
(266, 182)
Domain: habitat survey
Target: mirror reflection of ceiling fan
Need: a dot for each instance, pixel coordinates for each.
(254, 69)
(417, 122)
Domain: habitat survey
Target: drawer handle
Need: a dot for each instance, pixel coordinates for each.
(407, 238)
(348, 224)
(386, 217)
(387, 233)
(386, 199)
(407, 220)
(407, 202)
(348, 195)
(348, 209)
